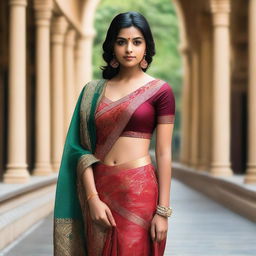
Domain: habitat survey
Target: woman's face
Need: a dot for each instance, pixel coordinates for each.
(129, 42)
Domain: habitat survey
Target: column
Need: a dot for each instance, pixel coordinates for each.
(69, 69)
(186, 110)
(205, 91)
(17, 171)
(59, 27)
(250, 176)
(221, 89)
(194, 125)
(83, 59)
(43, 12)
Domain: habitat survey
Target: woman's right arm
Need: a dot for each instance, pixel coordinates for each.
(99, 211)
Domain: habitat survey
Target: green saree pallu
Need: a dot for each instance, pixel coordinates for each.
(68, 234)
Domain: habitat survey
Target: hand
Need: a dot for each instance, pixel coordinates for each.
(159, 228)
(100, 212)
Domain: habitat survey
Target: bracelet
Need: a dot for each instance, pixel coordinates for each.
(164, 211)
(91, 195)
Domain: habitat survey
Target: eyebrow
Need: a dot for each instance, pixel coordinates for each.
(139, 37)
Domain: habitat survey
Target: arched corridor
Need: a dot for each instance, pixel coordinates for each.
(45, 47)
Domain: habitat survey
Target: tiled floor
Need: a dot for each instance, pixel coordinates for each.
(198, 227)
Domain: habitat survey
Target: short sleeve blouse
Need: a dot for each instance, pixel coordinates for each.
(160, 108)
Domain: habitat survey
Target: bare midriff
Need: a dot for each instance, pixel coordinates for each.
(126, 149)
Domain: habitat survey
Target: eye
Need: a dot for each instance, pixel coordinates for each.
(120, 42)
(137, 42)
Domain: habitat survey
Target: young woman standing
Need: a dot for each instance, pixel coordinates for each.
(123, 198)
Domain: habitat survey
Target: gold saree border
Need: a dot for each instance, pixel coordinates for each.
(84, 162)
(66, 231)
(88, 159)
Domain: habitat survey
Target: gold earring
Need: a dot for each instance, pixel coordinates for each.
(114, 63)
(144, 63)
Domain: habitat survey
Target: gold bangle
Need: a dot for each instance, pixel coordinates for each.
(164, 211)
(91, 195)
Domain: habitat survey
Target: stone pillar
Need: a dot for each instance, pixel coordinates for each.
(83, 59)
(59, 27)
(221, 89)
(43, 13)
(17, 171)
(69, 89)
(251, 161)
(205, 92)
(194, 124)
(186, 115)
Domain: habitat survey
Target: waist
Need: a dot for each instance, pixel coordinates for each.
(138, 162)
(124, 149)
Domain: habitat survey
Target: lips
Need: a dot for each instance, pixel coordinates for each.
(129, 57)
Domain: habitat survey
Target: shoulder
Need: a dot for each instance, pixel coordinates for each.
(166, 86)
(165, 90)
(90, 88)
(164, 100)
(93, 83)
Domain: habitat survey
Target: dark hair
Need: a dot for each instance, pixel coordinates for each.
(125, 20)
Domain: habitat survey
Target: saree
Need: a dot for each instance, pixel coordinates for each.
(131, 192)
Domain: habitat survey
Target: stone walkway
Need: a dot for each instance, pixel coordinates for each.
(198, 227)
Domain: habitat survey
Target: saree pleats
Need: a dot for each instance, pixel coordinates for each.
(132, 199)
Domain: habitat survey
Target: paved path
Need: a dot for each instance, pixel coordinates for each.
(198, 227)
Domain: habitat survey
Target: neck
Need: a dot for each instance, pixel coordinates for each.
(128, 73)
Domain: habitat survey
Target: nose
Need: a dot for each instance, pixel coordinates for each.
(129, 47)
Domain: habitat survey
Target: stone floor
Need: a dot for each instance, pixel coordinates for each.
(198, 227)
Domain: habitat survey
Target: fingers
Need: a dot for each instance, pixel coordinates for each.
(110, 217)
(157, 235)
(103, 221)
(153, 232)
(160, 235)
(106, 220)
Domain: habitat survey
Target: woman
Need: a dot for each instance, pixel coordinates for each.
(110, 199)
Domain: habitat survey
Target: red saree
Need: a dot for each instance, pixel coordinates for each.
(130, 189)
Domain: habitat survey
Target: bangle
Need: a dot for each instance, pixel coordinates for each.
(91, 195)
(164, 211)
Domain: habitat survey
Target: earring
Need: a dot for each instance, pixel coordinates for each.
(114, 63)
(144, 63)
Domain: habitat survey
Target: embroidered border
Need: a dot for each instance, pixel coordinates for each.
(67, 238)
(127, 214)
(84, 162)
(166, 119)
(135, 134)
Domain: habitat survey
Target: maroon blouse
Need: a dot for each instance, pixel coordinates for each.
(158, 109)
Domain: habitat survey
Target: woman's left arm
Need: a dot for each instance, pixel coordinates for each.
(159, 225)
(164, 160)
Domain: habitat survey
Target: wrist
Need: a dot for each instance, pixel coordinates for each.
(164, 211)
(91, 196)
(93, 200)
(161, 216)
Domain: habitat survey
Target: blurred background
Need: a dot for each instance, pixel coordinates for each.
(206, 51)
